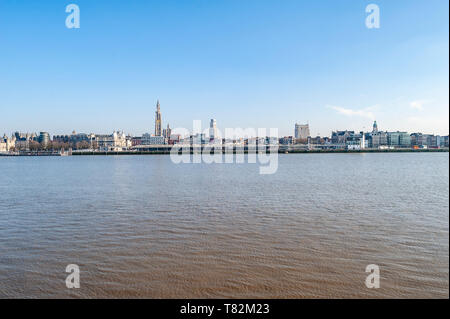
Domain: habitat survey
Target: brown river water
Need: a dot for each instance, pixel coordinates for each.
(144, 227)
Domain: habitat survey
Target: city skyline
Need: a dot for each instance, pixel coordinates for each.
(213, 127)
(300, 132)
(315, 62)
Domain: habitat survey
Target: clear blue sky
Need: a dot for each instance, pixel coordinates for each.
(247, 63)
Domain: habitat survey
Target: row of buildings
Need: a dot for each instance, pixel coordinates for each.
(24, 141)
(117, 141)
(302, 139)
(375, 139)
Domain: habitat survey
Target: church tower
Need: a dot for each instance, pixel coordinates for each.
(375, 127)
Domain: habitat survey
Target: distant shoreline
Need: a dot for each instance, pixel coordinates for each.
(446, 150)
(111, 153)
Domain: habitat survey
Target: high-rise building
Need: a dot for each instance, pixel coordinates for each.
(158, 121)
(302, 131)
(213, 130)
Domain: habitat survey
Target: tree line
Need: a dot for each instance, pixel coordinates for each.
(55, 146)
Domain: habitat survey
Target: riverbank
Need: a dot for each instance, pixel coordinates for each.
(279, 151)
(33, 154)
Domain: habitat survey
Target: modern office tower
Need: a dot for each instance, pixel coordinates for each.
(158, 121)
(213, 129)
(302, 131)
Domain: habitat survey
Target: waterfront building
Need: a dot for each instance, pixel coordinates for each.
(415, 139)
(61, 138)
(356, 141)
(23, 144)
(444, 141)
(199, 139)
(344, 139)
(419, 139)
(44, 138)
(399, 139)
(431, 140)
(148, 139)
(270, 140)
(158, 120)
(7, 144)
(404, 139)
(380, 140)
(435, 141)
(79, 138)
(167, 132)
(174, 139)
(286, 140)
(376, 138)
(326, 140)
(136, 140)
(340, 137)
(75, 140)
(128, 141)
(315, 140)
(113, 142)
(213, 135)
(3, 147)
(25, 136)
(302, 131)
(428, 140)
(22, 140)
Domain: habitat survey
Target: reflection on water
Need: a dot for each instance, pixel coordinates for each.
(141, 226)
